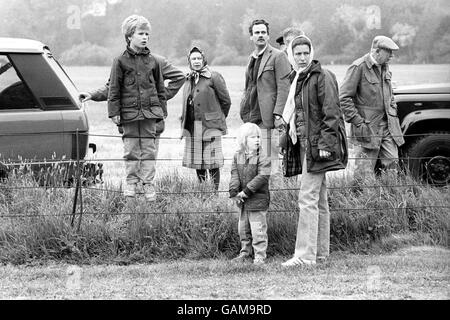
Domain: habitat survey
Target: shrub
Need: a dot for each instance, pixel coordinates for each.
(87, 54)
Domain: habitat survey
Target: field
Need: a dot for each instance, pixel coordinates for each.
(171, 147)
(391, 244)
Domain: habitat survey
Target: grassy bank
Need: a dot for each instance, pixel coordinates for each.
(190, 220)
(409, 273)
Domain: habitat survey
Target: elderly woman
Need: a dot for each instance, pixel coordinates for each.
(206, 103)
(317, 139)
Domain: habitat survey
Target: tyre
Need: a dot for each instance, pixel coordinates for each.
(428, 158)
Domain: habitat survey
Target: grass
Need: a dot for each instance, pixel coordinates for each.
(190, 220)
(408, 273)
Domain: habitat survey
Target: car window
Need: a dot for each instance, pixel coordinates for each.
(13, 92)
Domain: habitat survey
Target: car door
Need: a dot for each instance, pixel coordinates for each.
(27, 131)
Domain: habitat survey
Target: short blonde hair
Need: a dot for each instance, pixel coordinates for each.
(246, 130)
(133, 22)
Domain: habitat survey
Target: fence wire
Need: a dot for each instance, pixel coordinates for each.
(77, 164)
(187, 213)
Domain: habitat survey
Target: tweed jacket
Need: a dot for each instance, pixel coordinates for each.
(272, 86)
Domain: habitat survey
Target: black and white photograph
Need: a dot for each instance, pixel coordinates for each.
(236, 152)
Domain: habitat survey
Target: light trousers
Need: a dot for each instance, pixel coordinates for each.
(252, 229)
(366, 159)
(313, 230)
(140, 151)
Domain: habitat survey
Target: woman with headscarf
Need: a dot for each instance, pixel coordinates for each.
(316, 140)
(206, 103)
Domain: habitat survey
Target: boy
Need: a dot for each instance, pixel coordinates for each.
(136, 100)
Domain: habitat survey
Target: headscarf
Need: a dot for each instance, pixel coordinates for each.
(289, 109)
(204, 71)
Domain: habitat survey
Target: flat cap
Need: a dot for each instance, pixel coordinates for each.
(280, 40)
(384, 42)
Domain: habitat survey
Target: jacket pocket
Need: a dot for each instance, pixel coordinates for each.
(268, 68)
(363, 132)
(213, 115)
(314, 147)
(370, 87)
(214, 120)
(129, 109)
(371, 78)
(129, 80)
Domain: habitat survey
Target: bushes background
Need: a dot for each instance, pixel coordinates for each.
(87, 54)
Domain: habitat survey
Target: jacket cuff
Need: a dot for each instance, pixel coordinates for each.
(247, 191)
(233, 193)
(357, 120)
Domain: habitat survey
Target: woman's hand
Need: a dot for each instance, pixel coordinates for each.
(324, 154)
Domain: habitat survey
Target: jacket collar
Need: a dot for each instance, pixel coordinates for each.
(313, 68)
(266, 55)
(369, 61)
(144, 52)
(256, 55)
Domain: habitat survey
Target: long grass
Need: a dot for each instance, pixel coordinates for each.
(191, 220)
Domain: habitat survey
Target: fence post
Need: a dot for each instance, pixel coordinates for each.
(80, 185)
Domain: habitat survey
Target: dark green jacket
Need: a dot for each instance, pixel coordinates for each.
(136, 87)
(174, 76)
(366, 98)
(325, 127)
(211, 104)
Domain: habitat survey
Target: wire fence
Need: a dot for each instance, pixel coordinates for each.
(79, 184)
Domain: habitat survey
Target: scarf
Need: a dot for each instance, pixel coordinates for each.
(204, 72)
(289, 108)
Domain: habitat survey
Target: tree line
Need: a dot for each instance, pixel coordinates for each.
(88, 32)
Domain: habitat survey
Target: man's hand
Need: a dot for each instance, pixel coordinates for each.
(279, 122)
(116, 120)
(324, 154)
(84, 96)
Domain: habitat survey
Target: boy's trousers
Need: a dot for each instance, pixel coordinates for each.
(252, 229)
(139, 150)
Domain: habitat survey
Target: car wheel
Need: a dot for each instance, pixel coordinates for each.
(429, 158)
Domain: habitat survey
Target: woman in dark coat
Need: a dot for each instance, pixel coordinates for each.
(206, 103)
(316, 144)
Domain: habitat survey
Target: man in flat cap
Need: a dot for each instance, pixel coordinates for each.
(368, 104)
